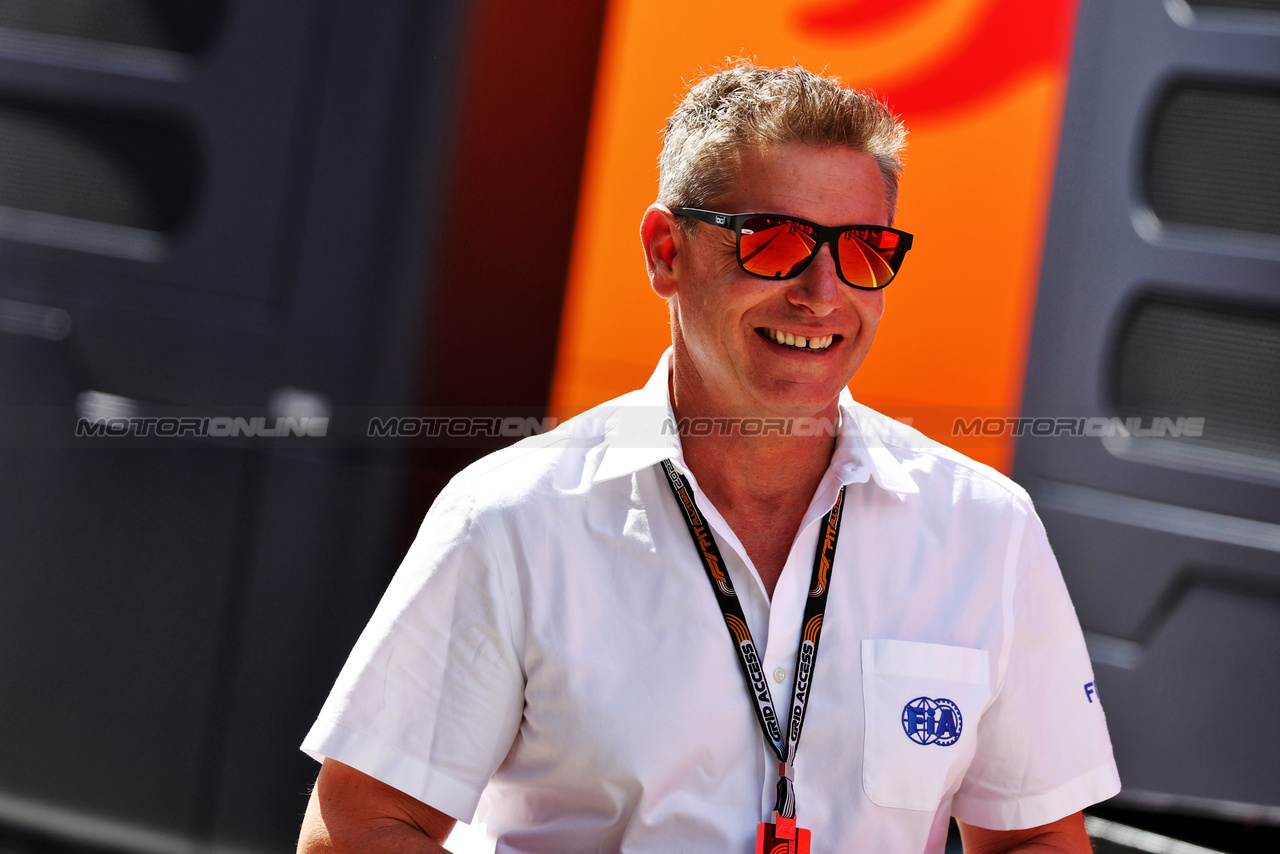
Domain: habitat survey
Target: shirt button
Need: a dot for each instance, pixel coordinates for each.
(779, 675)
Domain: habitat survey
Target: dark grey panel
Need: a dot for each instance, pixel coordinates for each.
(172, 614)
(251, 135)
(1158, 298)
(303, 607)
(1262, 5)
(1126, 559)
(123, 169)
(114, 579)
(186, 26)
(1181, 610)
(1183, 357)
(1176, 718)
(1214, 157)
(1106, 251)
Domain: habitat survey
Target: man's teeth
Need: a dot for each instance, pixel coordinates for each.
(792, 340)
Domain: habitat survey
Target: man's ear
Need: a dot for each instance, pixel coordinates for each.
(663, 242)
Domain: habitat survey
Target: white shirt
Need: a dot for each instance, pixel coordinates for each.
(550, 656)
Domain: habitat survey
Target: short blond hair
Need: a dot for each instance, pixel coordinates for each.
(744, 107)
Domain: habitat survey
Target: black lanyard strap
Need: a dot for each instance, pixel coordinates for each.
(736, 622)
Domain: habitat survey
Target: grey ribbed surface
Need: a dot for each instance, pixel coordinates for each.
(122, 170)
(1214, 158)
(185, 26)
(1264, 5)
(1211, 362)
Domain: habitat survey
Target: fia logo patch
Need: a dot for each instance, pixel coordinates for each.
(932, 721)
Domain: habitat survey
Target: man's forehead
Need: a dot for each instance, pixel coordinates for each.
(809, 181)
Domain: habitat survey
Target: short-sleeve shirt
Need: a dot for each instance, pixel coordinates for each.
(550, 657)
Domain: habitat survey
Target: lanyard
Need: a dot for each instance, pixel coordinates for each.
(748, 658)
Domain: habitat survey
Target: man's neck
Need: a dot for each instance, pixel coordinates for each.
(761, 484)
(751, 457)
(754, 471)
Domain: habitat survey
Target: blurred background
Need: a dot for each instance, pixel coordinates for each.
(235, 236)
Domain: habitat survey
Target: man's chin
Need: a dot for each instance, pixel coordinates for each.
(805, 403)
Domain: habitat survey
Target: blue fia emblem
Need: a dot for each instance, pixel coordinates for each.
(927, 721)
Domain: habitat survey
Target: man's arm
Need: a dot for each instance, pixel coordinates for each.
(353, 812)
(1064, 835)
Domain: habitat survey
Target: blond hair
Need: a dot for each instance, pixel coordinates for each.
(744, 107)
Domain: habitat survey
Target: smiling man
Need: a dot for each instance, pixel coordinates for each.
(614, 637)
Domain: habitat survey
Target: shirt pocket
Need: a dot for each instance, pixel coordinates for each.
(922, 704)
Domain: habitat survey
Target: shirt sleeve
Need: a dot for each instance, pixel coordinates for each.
(431, 697)
(1043, 748)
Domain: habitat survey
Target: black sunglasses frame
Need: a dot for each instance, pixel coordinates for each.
(822, 233)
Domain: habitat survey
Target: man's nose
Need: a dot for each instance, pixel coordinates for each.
(818, 288)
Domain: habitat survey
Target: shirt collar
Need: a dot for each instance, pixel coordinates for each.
(861, 453)
(641, 432)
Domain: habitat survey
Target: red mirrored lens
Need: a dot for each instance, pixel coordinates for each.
(867, 256)
(774, 247)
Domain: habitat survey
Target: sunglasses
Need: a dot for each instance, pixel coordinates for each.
(773, 246)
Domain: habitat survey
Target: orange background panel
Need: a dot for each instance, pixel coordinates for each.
(980, 84)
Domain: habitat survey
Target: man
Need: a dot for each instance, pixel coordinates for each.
(612, 638)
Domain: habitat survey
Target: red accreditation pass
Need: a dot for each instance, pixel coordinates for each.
(781, 836)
